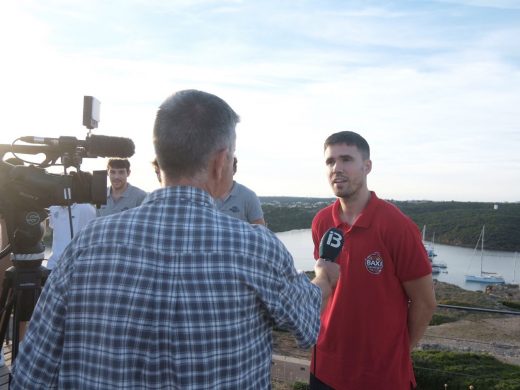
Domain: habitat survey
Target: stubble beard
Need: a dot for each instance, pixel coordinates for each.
(348, 191)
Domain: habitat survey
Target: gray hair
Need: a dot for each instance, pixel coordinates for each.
(190, 127)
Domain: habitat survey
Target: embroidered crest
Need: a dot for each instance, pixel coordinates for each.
(374, 263)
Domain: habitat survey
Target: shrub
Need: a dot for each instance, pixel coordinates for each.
(300, 386)
(438, 319)
(458, 370)
(511, 304)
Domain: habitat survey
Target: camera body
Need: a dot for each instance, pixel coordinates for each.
(27, 190)
(29, 187)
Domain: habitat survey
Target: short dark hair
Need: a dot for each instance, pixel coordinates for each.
(189, 127)
(119, 163)
(349, 138)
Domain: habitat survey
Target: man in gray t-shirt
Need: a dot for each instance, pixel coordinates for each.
(121, 195)
(241, 202)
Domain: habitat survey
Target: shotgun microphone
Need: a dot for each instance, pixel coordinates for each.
(331, 244)
(105, 146)
(94, 145)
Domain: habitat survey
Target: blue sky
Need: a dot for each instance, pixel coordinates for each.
(434, 86)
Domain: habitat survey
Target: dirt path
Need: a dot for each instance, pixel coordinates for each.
(499, 337)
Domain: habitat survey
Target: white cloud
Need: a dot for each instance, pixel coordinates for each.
(441, 114)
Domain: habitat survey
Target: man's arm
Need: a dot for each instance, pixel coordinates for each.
(253, 207)
(259, 221)
(422, 305)
(327, 275)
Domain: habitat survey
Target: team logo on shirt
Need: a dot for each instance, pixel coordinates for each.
(374, 263)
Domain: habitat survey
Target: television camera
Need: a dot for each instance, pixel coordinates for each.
(27, 190)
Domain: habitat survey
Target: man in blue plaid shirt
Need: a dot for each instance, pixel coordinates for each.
(172, 294)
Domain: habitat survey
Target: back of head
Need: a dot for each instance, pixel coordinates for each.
(189, 127)
(349, 138)
(119, 163)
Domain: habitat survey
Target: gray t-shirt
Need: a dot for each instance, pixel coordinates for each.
(132, 197)
(241, 203)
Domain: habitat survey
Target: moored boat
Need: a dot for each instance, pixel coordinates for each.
(484, 277)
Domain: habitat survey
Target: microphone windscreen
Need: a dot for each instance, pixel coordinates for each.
(331, 244)
(105, 146)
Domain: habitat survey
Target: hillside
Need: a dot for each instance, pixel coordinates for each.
(453, 223)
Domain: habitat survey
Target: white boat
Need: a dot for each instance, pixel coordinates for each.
(484, 277)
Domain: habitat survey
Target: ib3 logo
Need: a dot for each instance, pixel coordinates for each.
(374, 263)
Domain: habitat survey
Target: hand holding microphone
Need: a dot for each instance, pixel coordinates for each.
(326, 269)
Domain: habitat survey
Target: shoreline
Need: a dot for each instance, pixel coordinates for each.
(492, 333)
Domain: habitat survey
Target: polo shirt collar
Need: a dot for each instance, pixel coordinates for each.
(233, 192)
(364, 219)
(123, 195)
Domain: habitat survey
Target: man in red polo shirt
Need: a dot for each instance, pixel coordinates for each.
(384, 298)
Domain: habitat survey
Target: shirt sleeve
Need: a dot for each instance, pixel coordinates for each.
(407, 250)
(142, 196)
(39, 358)
(253, 207)
(292, 300)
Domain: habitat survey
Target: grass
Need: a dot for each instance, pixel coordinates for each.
(458, 370)
(434, 369)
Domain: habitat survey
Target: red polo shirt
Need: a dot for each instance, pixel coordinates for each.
(363, 342)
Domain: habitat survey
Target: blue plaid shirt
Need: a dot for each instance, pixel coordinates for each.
(169, 295)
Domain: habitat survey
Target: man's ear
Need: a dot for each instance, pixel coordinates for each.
(128, 172)
(368, 166)
(218, 164)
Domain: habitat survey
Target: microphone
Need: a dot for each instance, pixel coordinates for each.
(94, 145)
(331, 244)
(105, 146)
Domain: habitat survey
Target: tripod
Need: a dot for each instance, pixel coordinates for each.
(22, 286)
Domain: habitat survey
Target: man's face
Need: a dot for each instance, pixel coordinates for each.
(118, 177)
(347, 170)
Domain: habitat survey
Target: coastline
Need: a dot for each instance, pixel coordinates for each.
(491, 333)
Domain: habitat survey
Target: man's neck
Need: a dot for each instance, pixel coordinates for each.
(352, 207)
(226, 195)
(198, 181)
(117, 193)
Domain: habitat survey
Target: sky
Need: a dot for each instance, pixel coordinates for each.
(434, 86)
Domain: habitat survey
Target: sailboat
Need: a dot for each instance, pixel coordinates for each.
(484, 277)
(436, 263)
(429, 247)
(437, 266)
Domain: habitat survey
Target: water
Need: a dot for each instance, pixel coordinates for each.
(460, 261)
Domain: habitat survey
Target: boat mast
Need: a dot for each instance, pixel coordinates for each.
(482, 249)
